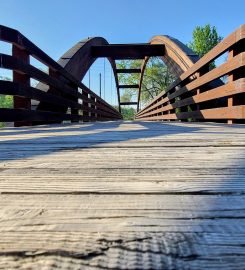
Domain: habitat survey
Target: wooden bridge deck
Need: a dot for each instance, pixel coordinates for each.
(123, 195)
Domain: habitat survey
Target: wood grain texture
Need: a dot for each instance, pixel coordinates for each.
(123, 195)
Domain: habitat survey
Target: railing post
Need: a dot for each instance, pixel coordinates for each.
(168, 103)
(230, 79)
(198, 74)
(93, 115)
(21, 102)
(100, 115)
(85, 113)
(205, 69)
(73, 110)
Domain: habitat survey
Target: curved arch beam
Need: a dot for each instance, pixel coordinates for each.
(178, 58)
(79, 59)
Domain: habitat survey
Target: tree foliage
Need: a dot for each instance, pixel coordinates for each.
(6, 101)
(127, 112)
(204, 39)
(156, 79)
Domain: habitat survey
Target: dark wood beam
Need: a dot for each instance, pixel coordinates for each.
(129, 70)
(129, 86)
(128, 51)
(128, 103)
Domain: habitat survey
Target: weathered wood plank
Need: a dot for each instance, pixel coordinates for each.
(151, 186)
(143, 250)
(123, 195)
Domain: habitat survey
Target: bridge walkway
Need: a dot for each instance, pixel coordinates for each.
(123, 195)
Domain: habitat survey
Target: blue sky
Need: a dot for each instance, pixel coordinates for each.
(56, 25)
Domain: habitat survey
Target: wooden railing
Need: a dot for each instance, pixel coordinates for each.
(204, 94)
(65, 98)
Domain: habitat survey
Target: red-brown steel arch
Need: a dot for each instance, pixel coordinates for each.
(178, 57)
(77, 60)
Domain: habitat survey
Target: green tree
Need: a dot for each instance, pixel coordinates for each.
(204, 39)
(156, 79)
(127, 112)
(6, 101)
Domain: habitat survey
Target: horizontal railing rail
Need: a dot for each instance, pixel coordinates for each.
(69, 99)
(203, 93)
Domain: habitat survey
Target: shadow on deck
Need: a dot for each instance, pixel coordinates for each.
(123, 195)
